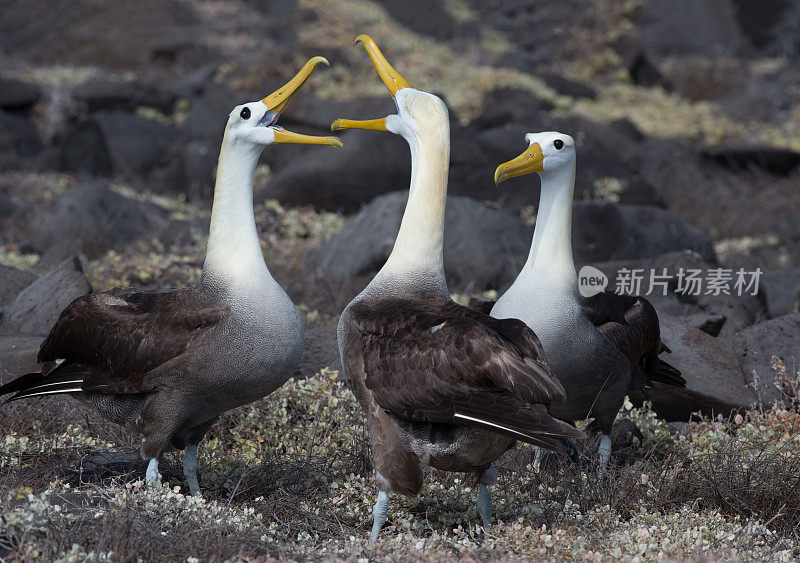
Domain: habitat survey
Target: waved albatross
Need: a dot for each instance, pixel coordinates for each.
(167, 363)
(441, 384)
(599, 347)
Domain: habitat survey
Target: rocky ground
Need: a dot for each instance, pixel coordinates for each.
(687, 121)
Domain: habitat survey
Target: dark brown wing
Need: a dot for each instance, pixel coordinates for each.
(448, 363)
(631, 324)
(108, 342)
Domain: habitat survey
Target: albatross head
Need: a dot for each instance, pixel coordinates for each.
(254, 122)
(418, 113)
(547, 152)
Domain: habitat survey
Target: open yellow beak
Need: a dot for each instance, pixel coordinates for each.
(279, 99)
(394, 82)
(532, 160)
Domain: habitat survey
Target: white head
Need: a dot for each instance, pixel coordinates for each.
(253, 123)
(547, 152)
(418, 113)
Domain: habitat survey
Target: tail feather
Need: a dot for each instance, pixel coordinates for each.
(527, 425)
(65, 378)
(668, 375)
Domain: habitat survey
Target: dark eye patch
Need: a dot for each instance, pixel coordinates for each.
(558, 144)
(245, 113)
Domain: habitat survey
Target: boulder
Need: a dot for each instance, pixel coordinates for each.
(18, 137)
(602, 231)
(683, 27)
(12, 281)
(90, 220)
(714, 382)
(756, 347)
(483, 248)
(771, 159)
(567, 87)
(110, 95)
(85, 150)
(719, 315)
(18, 356)
(36, 308)
(321, 349)
(16, 94)
(510, 105)
(370, 164)
(137, 145)
(781, 289)
(428, 18)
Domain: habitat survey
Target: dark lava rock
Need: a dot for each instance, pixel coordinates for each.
(770, 159)
(208, 113)
(18, 356)
(714, 381)
(567, 87)
(18, 137)
(36, 308)
(602, 231)
(422, 16)
(675, 27)
(321, 349)
(370, 164)
(781, 289)
(85, 150)
(12, 281)
(756, 347)
(482, 248)
(510, 105)
(107, 95)
(88, 220)
(137, 145)
(17, 95)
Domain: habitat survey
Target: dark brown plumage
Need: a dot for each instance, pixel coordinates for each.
(631, 324)
(424, 366)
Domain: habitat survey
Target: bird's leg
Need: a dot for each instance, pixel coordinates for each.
(379, 512)
(537, 457)
(489, 477)
(152, 477)
(190, 468)
(605, 453)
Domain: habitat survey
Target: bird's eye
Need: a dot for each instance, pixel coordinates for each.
(245, 113)
(558, 144)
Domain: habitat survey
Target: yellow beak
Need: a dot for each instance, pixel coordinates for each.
(278, 100)
(394, 82)
(532, 160)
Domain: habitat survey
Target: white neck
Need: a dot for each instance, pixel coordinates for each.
(551, 251)
(234, 257)
(418, 248)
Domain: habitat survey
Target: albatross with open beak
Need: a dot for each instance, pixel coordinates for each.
(599, 347)
(441, 384)
(167, 363)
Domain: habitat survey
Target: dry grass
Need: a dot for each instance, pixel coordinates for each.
(290, 477)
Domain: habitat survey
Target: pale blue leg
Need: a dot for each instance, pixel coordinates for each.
(485, 509)
(605, 454)
(190, 468)
(152, 478)
(379, 513)
(485, 505)
(537, 457)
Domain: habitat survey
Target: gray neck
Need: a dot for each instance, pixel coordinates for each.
(234, 258)
(551, 251)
